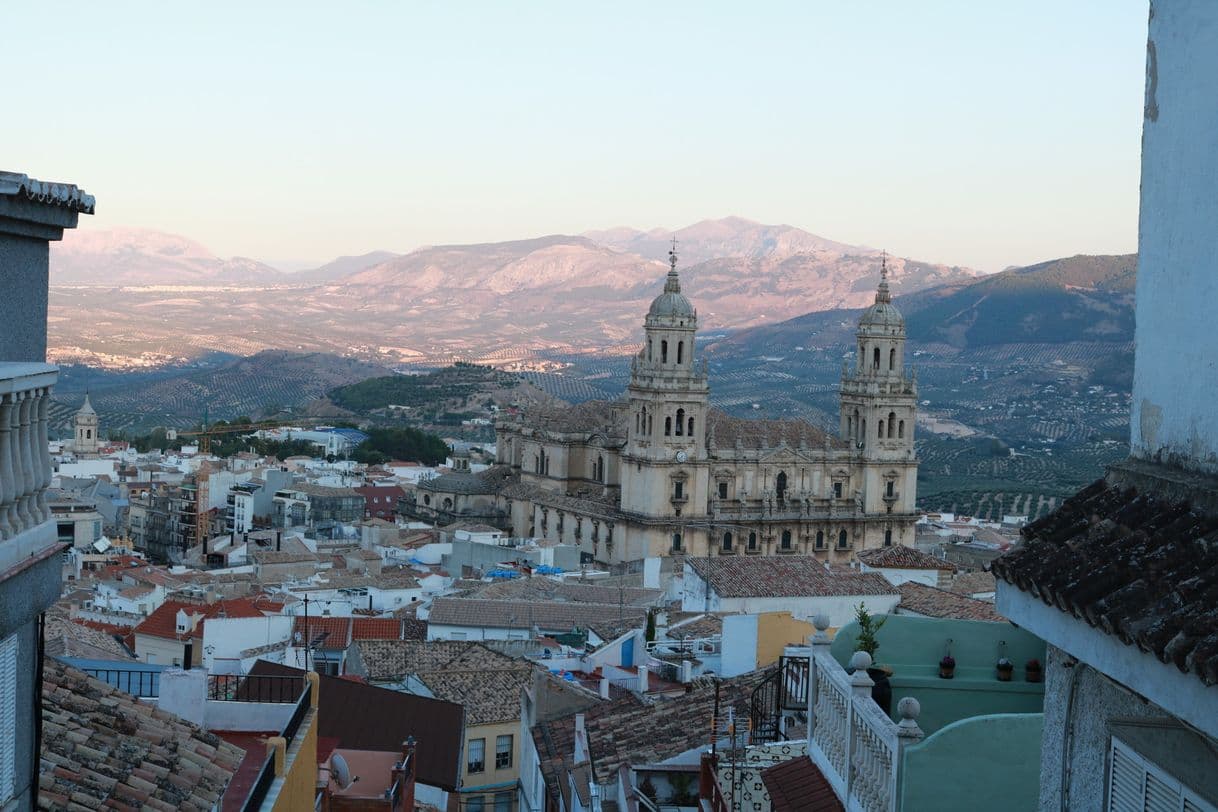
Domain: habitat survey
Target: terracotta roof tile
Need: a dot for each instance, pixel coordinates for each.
(329, 633)
(784, 577)
(931, 602)
(547, 615)
(103, 748)
(900, 557)
(798, 785)
(163, 622)
(1141, 568)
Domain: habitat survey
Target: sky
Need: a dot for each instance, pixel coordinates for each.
(981, 134)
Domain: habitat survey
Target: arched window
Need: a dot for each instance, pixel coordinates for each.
(680, 422)
(887, 538)
(676, 542)
(649, 348)
(889, 488)
(785, 543)
(600, 469)
(691, 427)
(820, 539)
(727, 542)
(448, 503)
(901, 430)
(855, 433)
(880, 433)
(752, 541)
(875, 358)
(892, 418)
(663, 352)
(547, 471)
(841, 540)
(651, 426)
(636, 423)
(892, 359)
(667, 426)
(863, 433)
(780, 484)
(680, 351)
(427, 499)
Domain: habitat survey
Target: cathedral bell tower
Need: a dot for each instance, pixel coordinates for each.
(85, 424)
(664, 461)
(879, 406)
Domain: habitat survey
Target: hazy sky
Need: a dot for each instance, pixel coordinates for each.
(977, 133)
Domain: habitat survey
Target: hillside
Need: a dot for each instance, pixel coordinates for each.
(137, 256)
(254, 386)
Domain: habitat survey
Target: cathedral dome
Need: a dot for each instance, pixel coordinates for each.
(883, 315)
(671, 303)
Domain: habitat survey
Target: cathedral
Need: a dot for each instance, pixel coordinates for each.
(660, 473)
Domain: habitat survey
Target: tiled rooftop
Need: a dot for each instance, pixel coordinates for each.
(547, 615)
(931, 602)
(783, 577)
(390, 661)
(487, 696)
(1141, 568)
(67, 638)
(549, 590)
(102, 748)
(798, 785)
(726, 432)
(899, 557)
(972, 583)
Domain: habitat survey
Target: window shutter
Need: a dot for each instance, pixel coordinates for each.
(1125, 782)
(8, 717)
(1136, 784)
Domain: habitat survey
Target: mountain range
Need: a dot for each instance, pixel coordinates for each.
(490, 301)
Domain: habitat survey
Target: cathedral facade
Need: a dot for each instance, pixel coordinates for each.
(660, 473)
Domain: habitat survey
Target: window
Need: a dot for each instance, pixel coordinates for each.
(887, 538)
(752, 541)
(504, 801)
(781, 484)
(503, 752)
(901, 430)
(722, 490)
(890, 489)
(676, 542)
(786, 540)
(820, 539)
(842, 540)
(663, 352)
(880, 433)
(727, 542)
(475, 804)
(680, 351)
(837, 490)
(667, 426)
(678, 490)
(1135, 782)
(892, 418)
(680, 422)
(875, 359)
(457, 635)
(691, 427)
(649, 343)
(476, 762)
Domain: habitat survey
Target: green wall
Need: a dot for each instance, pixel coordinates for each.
(913, 647)
(987, 762)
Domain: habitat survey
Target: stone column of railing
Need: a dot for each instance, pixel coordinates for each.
(25, 464)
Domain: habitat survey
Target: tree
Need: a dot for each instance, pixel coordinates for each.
(869, 626)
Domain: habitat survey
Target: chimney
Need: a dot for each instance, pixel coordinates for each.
(604, 687)
(687, 672)
(644, 684)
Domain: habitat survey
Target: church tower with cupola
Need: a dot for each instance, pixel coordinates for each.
(879, 408)
(85, 425)
(664, 462)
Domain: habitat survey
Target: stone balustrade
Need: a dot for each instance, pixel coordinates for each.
(853, 742)
(25, 463)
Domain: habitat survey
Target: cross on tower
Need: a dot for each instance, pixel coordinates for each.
(672, 255)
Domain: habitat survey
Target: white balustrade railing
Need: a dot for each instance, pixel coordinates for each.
(850, 738)
(25, 464)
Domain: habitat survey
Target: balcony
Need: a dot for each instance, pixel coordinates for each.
(877, 764)
(26, 529)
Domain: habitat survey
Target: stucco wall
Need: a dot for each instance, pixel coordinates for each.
(776, 631)
(1097, 701)
(1176, 369)
(23, 308)
(1003, 754)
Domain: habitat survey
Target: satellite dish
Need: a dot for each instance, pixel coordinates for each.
(339, 771)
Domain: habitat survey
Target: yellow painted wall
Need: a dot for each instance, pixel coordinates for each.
(299, 788)
(776, 630)
(490, 776)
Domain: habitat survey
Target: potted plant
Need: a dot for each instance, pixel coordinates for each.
(1006, 669)
(1033, 671)
(947, 667)
(868, 628)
